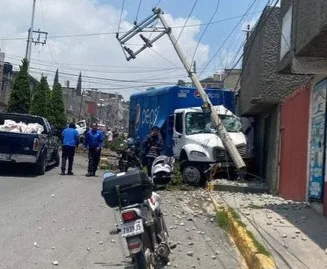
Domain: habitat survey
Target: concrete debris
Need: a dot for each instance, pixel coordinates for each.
(190, 253)
(36, 245)
(52, 195)
(213, 257)
(55, 263)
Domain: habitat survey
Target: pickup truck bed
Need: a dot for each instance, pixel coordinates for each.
(39, 150)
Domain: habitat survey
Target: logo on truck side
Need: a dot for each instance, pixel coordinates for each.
(137, 116)
(150, 116)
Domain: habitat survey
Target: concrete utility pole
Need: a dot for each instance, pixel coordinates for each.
(158, 14)
(40, 34)
(30, 35)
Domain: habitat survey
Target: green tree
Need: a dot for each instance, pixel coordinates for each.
(58, 116)
(41, 99)
(20, 97)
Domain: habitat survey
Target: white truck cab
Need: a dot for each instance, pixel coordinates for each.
(196, 143)
(81, 127)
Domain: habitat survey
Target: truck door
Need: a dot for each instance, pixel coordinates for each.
(178, 134)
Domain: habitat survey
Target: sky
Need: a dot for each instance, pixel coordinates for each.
(81, 39)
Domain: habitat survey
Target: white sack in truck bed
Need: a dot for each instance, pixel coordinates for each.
(21, 127)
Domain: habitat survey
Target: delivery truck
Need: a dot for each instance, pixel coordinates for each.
(186, 129)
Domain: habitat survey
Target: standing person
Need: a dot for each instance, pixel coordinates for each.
(94, 143)
(110, 135)
(70, 142)
(153, 145)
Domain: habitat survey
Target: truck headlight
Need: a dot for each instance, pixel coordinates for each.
(198, 154)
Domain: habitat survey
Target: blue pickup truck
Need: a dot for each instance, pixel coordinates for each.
(38, 150)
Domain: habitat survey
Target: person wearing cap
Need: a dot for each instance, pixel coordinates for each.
(70, 142)
(94, 143)
(153, 146)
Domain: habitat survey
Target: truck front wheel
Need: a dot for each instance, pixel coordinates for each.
(191, 174)
(41, 165)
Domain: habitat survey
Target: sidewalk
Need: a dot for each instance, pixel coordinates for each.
(293, 232)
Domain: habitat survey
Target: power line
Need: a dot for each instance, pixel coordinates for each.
(48, 45)
(105, 79)
(234, 29)
(138, 11)
(189, 15)
(157, 3)
(205, 30)
(114, 33)
(121, 15)
(164, 58)
(256, 32)
(102, 71)
(94, 65)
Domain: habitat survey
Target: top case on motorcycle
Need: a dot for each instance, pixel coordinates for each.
(133, 187)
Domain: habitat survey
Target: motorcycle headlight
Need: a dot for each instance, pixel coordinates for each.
(198, 154)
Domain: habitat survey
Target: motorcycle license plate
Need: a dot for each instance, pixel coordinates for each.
(132, 228)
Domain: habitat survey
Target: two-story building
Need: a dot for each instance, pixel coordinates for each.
(303, 51)
(263, 89)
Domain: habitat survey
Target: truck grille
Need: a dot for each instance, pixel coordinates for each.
(223, 155)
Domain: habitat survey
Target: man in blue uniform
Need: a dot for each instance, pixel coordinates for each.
(94, 143)
(70, 142)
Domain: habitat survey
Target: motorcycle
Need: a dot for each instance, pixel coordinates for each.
(129, 157)
(162, 170)
(143, 225)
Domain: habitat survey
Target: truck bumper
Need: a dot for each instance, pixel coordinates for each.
(18, 158)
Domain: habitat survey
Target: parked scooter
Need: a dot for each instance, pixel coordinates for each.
(162, 171)
(143, 225)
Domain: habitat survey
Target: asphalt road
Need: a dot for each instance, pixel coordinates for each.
(64, 218)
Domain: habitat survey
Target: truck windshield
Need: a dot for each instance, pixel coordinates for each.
(197, 123)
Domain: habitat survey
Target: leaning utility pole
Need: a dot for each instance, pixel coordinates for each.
(158, 14)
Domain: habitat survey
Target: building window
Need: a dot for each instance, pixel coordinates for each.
(286, 33)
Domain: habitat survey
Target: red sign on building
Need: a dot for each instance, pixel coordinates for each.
(91, 108)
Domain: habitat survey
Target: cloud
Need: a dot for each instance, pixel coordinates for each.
(95, 56)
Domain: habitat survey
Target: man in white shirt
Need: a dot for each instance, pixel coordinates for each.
(110, 135)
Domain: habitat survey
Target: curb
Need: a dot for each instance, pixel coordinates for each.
(243, 241)
(231, 188)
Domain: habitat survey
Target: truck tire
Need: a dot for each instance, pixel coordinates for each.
(41, 165)
(191, 174)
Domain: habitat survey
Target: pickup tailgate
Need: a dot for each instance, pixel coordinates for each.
(14, 146)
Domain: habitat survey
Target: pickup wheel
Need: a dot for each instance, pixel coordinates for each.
(191, 174)
(41, 165)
